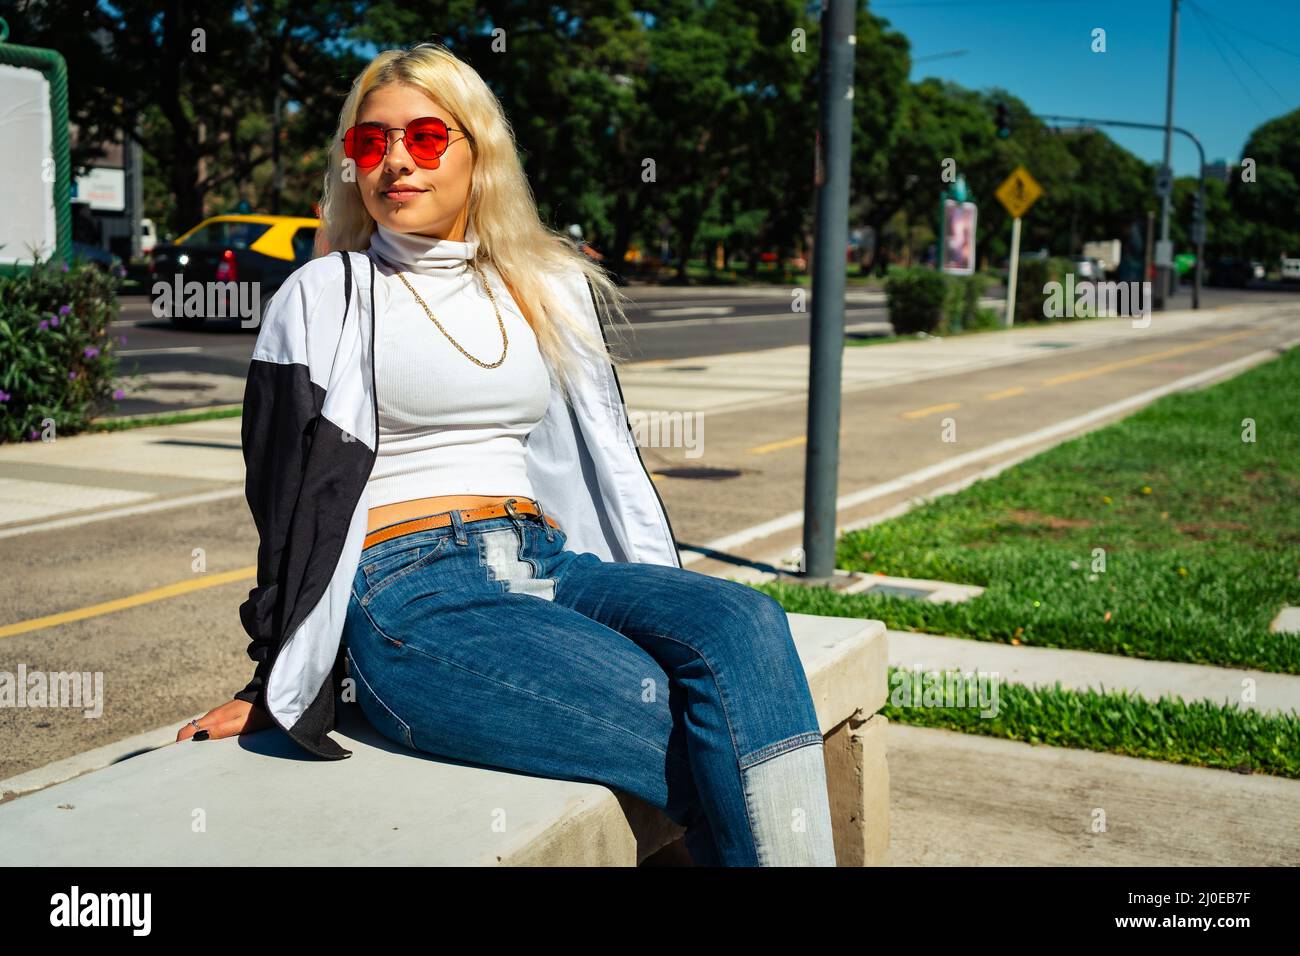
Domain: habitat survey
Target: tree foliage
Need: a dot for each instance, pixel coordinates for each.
(683, 121)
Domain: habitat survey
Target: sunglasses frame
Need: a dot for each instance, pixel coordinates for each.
(388, 141)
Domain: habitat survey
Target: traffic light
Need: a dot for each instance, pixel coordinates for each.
(1003, 121)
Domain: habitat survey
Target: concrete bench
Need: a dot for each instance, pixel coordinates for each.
(260, 800)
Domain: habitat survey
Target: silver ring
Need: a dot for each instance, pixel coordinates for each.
(195, 722)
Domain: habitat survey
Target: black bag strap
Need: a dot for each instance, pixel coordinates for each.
(347, 283)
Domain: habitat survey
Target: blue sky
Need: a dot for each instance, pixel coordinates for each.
(1040, 50)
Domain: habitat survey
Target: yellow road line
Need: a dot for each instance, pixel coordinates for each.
(931, 409)
(1144, 359)
(131, 600)
(1006, 393)
(778, 445)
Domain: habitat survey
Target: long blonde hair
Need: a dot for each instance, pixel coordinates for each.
(511, 235)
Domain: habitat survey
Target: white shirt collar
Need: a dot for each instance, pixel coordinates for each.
(424, 254)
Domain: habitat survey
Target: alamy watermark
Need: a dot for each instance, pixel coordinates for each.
(663, 429)
(209, 300)
(75, 908)
(1097, 299)
(919, 688)
(53, 689)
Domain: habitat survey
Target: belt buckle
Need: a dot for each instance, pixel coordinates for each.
(510, 508)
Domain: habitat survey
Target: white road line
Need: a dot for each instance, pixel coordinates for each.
(125, 511)
(739, 319)
(178, 348)
(696, 310)
(794, 519)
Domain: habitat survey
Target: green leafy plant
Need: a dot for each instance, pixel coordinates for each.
(57, 358)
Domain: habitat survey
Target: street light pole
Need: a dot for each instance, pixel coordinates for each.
(1164, 262)
(826, 354)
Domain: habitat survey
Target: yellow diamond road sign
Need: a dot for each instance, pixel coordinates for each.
(1019, 192)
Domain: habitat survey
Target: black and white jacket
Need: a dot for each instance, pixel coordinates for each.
(310, 428)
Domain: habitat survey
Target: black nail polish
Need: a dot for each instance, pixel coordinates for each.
(200, 735)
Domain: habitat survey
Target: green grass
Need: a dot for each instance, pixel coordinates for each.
(1199, 733)
(1198, 530)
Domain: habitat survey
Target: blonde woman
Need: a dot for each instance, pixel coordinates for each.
(457, 530)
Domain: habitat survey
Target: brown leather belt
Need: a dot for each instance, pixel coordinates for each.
(512, 507)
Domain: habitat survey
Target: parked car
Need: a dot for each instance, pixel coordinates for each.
(148, 236)
(1290, 269)
(97, 257)
(1235, 272)
(236, 248)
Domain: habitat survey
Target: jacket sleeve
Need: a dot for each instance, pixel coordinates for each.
(281, 406)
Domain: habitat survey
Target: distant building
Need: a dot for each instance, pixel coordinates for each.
(104, 213)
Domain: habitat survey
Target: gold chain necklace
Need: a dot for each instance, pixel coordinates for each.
(505, 341)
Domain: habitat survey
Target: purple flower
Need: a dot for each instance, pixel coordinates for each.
(34, 434)
(64, 309)
(54, 320)
(65, 269)
(72, 375)
(44, 324)
(118, 394)
(4, 396)
(90, 352)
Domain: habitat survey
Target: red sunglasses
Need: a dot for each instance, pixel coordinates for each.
(426, 140)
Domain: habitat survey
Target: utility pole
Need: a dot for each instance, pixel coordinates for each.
(1149, 253)
(1164, 257)
(826, 355)
(1198, 226)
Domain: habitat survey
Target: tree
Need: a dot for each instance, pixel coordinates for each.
(1271, 203)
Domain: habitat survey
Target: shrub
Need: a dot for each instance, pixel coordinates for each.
(916, 300)
(57, 361)
(986, 319)
(962, 302)
(1032, 275)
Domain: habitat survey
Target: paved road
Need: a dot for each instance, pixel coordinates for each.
(198, 369)
(172, 646)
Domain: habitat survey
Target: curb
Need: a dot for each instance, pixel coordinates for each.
(97, 759)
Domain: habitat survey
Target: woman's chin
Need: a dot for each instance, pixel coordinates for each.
(400, 217)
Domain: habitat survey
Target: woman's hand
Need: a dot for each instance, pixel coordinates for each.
(236, 717)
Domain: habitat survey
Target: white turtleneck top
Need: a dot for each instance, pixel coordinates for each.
(446, 425)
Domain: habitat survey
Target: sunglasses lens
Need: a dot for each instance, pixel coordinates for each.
(427, 138)
(364, 145)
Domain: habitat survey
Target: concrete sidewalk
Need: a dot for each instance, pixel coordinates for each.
(114, 473)
(746, 380)
(964, 800)
(1088, 670)
(124, 472)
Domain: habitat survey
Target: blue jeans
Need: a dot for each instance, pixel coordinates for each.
(492, 643)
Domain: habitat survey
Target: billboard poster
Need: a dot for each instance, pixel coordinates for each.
(958, 237)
